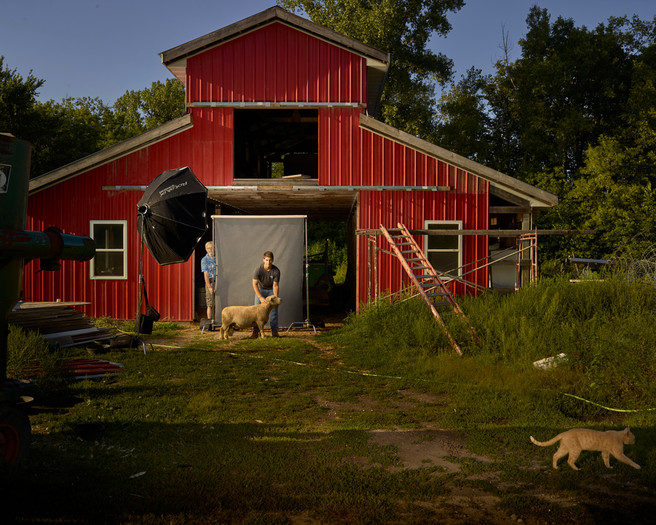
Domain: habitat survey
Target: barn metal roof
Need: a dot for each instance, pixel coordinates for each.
(110, 154)
(504, 186)
(175, 59)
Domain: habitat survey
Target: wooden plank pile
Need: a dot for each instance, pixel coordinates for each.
(59, 323)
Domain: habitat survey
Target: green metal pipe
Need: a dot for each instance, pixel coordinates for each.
(50, 244)
(17, 244)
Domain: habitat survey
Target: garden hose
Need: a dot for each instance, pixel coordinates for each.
(608, 408)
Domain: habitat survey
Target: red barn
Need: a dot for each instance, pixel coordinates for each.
(280, 120)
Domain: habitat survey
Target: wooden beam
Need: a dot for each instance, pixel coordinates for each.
(491, 233)
(508, 210)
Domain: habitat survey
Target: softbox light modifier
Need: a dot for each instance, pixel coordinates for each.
(171, 215)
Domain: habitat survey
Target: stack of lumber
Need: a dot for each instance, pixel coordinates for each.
(57, 322)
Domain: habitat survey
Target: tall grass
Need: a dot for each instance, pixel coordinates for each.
(605, 328)
(27, 350)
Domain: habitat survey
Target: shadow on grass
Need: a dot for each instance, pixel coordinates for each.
(223, 472)
(143, 472)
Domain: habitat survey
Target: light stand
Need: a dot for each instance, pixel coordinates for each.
(136, 341)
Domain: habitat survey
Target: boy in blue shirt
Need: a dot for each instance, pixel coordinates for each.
(208, 267)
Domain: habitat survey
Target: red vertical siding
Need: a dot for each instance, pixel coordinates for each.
(276, 63)
(412, 209)
(393, 164)
(206, 149)
(350, 155)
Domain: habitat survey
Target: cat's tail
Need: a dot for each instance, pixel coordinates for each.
(546, 443)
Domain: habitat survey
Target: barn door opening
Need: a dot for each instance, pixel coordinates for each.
(276, 143)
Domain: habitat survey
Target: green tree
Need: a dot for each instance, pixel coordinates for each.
(125, 119)
(568, 88)
(69, 130)
(17, 102)
(59, 132)
(638, 135)
(623, 212)
(62, 132)
(616, 191)
(162, 102)
(403, 28)
(138, 111)
(463, 124)
(576, 116)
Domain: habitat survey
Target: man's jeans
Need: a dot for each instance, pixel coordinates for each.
(273, 316)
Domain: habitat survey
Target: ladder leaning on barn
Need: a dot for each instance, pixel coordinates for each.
(424, 277)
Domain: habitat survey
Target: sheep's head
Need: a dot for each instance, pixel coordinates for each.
(274, 300)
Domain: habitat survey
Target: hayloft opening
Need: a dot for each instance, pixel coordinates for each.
(276, 143)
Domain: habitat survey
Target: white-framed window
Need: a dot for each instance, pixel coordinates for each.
(111, 260)
(444, 252)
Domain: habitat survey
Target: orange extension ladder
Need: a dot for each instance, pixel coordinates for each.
(424, 277)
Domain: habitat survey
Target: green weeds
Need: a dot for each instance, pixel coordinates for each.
(31, 357)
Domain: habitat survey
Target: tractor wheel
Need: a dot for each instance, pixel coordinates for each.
(15, 435)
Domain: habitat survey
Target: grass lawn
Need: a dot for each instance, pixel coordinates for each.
(356, 425)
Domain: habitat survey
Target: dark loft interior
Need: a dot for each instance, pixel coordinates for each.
(273, 143)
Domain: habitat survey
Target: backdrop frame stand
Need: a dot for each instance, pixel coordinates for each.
(307, 323)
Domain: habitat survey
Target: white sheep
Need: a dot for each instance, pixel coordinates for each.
(246, 316)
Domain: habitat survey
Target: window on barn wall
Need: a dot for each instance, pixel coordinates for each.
(111, 257)
(276, 143)
(444, 252)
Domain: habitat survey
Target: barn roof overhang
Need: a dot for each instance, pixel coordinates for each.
(175, 59)
(281, 197)
(110, 154)
(297, 196)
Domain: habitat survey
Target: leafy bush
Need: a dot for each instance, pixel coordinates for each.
(27, 350)
(329, 240)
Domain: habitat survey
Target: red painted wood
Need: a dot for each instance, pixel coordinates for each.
(206, 149)
(276, 63)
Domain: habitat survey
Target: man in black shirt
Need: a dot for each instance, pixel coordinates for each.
(266, 282)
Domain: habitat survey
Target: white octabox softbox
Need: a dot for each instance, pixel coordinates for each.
(240, 242)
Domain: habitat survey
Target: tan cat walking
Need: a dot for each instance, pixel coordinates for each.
(574, 441)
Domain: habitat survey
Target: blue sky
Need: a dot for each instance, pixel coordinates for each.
(103, 48)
